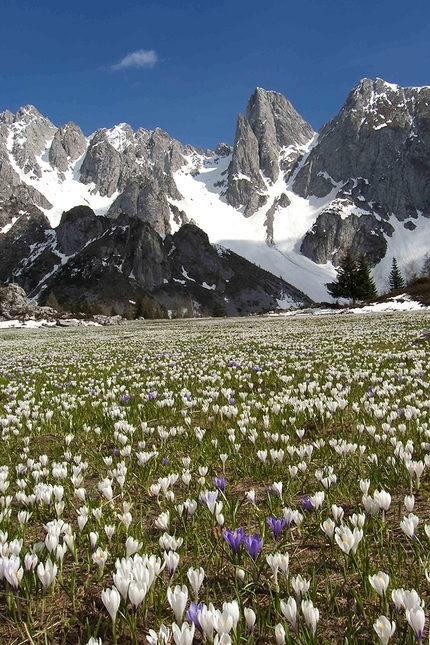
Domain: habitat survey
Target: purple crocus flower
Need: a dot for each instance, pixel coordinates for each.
(193, 612)
(253, 544)
(276, 524)
(220, 483)
(307, 504)
(234, 538)
(209, 497)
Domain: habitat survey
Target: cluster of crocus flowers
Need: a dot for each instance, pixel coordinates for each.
(252, 543)
(310, 613)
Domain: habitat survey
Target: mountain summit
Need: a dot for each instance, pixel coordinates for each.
(283, 197)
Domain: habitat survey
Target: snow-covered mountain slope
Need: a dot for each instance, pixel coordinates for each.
(283, 197)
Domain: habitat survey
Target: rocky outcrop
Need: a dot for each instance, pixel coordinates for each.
(27, 250)
(376, 155)
(102, 165)
(15, 305)
(13, 301)
(381, 137)
(214, 275)
(126, 260)
(77, 227)
(276, 125)
(332, 234)
(69, 143)
(144, 199)
(245, 183)
(30, 133)
(98, 261)
(269, 139)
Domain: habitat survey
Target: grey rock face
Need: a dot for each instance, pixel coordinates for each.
(282, 202)
(214, 275)
(143, 198)
(77, 227)
(332, 234)
(102, 165)
(117, 159)
(276, 125)
(223, 150)
(13, 301)
(128, 259)
(377, 152)
(381, 135)
(267, 139)
(245, 183)
(26, 254)
(180, 217)
(27, 134)
(68, 144)
(31, 133)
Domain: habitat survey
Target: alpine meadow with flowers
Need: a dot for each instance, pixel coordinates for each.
(241, 481)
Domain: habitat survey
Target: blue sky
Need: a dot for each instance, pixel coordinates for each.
(190, 67)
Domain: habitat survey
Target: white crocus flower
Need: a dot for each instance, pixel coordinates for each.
(233, 609)
(280, 634)
(171, 559)
(328, 527)
(383, 499)
(137, 592)
(289, 610)
(380, 582)
(311, 614)
(416, 619)
(222, 639)
(409, 525)
(250, 618)
(348, 540)
(196, 577)
(384, 629)
(177, 600)
(111, 600)
(183, 635)
(162, 521)
(46, 573)
(162, 638)
(132, 546)
(409, 503)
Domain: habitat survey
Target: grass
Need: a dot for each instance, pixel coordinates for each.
(107, 414)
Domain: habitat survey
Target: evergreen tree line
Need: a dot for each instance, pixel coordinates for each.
(354, 280)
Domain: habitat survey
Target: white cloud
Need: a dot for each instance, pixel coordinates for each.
(140, 58)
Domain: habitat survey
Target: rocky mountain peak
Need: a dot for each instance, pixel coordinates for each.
(7, 117)
(69, 143)
(271, 125)
(375, 156)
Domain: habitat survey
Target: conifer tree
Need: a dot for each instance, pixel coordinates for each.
(365, 285)
(425, 271)
(353, 279)
(344, 287)
(395, 279)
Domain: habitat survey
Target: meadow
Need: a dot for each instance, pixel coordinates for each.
(244, 481)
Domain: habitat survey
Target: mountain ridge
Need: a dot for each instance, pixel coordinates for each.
(284, 197)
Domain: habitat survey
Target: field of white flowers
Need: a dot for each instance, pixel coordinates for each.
(221, 481)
